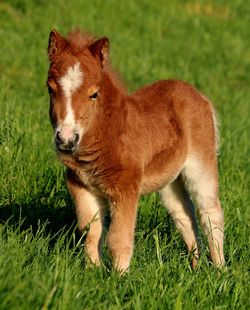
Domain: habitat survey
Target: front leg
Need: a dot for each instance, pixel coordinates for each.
(88, 212)
(120, 238)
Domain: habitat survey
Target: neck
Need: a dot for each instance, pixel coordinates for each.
(113, 90)
(112, 102)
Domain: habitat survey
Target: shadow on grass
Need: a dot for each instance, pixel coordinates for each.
(36, 214)
(56, 216)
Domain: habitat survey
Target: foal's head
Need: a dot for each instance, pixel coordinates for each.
(74, 84)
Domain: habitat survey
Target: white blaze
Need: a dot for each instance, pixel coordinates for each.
(70, 82)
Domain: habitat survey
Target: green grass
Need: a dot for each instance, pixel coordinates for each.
(42, 263)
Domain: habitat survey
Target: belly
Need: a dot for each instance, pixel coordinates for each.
(161, 171)
(156, 182)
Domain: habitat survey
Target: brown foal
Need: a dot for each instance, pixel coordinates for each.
(117, 146)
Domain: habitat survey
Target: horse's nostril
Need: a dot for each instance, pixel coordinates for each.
(59, 139)
(76, 138)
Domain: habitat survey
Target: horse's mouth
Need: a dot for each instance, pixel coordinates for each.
(66, 149)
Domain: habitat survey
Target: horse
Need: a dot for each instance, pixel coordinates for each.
(118, 146)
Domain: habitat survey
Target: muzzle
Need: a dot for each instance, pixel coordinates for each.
(66, 140)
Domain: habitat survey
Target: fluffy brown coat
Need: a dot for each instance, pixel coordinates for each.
(163, 137)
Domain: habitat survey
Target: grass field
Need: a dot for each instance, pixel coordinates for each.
(42, 264)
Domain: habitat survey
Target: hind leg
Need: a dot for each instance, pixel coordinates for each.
(202, 183)
(213, 225)
(181, 209)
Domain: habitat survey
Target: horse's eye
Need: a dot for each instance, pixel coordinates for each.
(94, 96)
(50, 90)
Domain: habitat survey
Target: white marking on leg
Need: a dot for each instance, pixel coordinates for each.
(182, 211)
(203, 186)
(198, 180)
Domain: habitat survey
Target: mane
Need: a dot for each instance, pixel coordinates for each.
(79, 39)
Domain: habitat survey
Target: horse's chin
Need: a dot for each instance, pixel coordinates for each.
(65, 153)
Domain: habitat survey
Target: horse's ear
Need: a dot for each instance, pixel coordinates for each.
(56, 43)
(100, 49)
